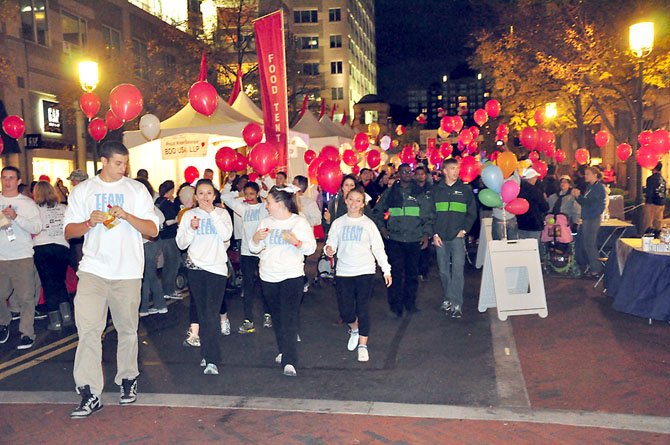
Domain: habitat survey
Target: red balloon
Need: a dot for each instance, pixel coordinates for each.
(539, 117)
(447, 124)
(465, 137)
(330, 153)
(90, 104)
(541, 168)
(97, 128)
(264, 157)
(517, 206)
(545, 138)
(191, 174)
(314, 167)
(329, 176)
(582, 156)
(14, 126)
(349, 157)
(529, 138)
(252, 134)
(494, 155)
(113, 122)
(226, 159)
(253, 176)
(435, 157)
(647, 158)
(661, 138)
(445, 150)
(361, 142)
(458, 123)
(355, 169)
(492, 107)
(2, 145)
(602, 138)
(559, 156)
(475, 132)
(502, 130)
(309, 156)
(550, 151)
(480, 117)
(623, 151)
(407, 155)
(126, 101)
(657, 147)
(203, 97)
(470, 169)
(240, 163)
(534, 156)
(645, 137)
(374, 158)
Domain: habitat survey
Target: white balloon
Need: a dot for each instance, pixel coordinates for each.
(150, 126)
(385, 142)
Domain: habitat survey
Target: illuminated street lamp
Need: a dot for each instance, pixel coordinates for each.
(88, 79)
(550, 110)
(641, 41)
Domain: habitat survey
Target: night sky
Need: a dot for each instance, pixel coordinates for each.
(418, 41)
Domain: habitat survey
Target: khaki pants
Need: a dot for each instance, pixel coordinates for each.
(653, 215)
(20, 276)
(94, 296)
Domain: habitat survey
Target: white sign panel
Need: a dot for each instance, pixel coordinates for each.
(188, 145)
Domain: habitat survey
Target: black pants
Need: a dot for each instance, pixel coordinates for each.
(353, 300)
(51, 261)
(251, 284)
(425, 258)
(283, 300)
(207, 290)
(404, 260)
(193, 313)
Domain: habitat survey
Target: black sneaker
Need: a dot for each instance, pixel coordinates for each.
(128, 391)
(39, 315)
(89, 404)
(4, 334)
(16, 316)
(26, 343)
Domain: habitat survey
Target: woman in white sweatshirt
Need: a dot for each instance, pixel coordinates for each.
(358, 243)
(282, 241)
(206, 230)
(251, 210)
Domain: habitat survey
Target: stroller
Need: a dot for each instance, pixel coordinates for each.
(325, 269)
(559, 245)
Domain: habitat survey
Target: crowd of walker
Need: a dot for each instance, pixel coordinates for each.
(110, 229)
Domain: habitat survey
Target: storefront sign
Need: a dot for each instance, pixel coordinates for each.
(188, 145)
(53, 121)
(33, 140)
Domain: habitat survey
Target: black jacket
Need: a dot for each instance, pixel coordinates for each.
(409, 213)
(655, 191)
(533, 219)
(453, 209)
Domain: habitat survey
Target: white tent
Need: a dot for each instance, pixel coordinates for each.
(337, 128)
(248, 108)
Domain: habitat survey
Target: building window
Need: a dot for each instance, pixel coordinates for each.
(308, 42)
(112, 39)
(336, 41)
(310, 69)
(141, 59)
(336, 67)
(337, 93)
(34, 21)
(306, 16)
(74, 31)
(334, 14)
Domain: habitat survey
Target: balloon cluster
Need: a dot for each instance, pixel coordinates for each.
(502, 191)
(125, 104)
(653, 145)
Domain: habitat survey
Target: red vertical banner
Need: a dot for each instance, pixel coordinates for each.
(270, 48)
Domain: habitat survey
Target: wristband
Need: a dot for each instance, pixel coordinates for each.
(88, 223)
(298, 244)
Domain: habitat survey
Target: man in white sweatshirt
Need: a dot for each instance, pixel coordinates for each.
(19, 220)
(110, 273)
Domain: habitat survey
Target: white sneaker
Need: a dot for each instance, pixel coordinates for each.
(150, 311)
(211, 369)
(363, 355)
(305, 288)
(203, 363)
(446, 306)
(353, 340)
(297, 338)
(289, 370)
(278, 358)
(225, 327)
(162, 311)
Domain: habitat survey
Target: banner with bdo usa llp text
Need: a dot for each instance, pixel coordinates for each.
(271, 52)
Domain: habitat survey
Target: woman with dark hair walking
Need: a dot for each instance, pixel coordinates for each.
(282, 240)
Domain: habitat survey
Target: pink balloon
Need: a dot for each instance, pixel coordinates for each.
(329, 176)
(89, 104)
(191, 174)
(517, 206)
(97, 128)
(264, 157)
(252, 134)
(374, 158)
(492, 107)
(126, 101)
(509, 190)
(113, 122)
(203, 97)
(14, 126)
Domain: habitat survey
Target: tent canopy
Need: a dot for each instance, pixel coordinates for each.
(248, 108)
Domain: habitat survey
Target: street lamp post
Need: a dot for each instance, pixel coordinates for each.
(88, 79)
(641, 41)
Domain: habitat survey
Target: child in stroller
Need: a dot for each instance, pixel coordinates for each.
(559, 245)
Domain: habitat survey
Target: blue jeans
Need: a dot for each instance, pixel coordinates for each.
(586, 245)
(451, 262)
(499, 226)
(151, 285)
(171, 263)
